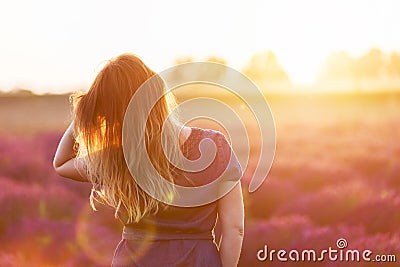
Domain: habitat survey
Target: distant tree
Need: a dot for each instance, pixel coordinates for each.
(177, 75)
(265, 66)
(373, 64)
(200, 71)
(21, 92)
(216, 59)
(394, 65)
(337, 66)
(183, 59)
(215, 75)
(369, 65)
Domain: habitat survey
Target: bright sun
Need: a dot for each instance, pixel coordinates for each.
(303, 33)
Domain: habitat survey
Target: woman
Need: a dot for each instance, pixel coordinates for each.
(155, 234)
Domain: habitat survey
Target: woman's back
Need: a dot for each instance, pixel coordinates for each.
(179, 236)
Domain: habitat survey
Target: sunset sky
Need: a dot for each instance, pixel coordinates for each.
(56, 46)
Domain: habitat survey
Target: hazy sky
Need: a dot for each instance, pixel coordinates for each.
(56, 46)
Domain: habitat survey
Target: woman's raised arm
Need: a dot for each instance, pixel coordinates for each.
(65, 162)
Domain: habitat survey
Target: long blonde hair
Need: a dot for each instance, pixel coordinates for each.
(99, 116)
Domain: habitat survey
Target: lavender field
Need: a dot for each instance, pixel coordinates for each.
(336, 175)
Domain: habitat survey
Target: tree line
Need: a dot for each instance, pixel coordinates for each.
(339, 65)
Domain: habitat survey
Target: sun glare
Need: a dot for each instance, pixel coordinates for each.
(303, 33)
(300, 33)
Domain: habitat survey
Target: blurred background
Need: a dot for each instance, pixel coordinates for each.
(330, 71)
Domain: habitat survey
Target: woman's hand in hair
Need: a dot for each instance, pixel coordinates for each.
(65, 162)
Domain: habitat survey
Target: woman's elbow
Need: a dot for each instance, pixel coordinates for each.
(59, 167)
(56, 164)
(239, 230)
(235, 229)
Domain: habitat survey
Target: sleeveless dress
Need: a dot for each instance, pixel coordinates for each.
(181, 236)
